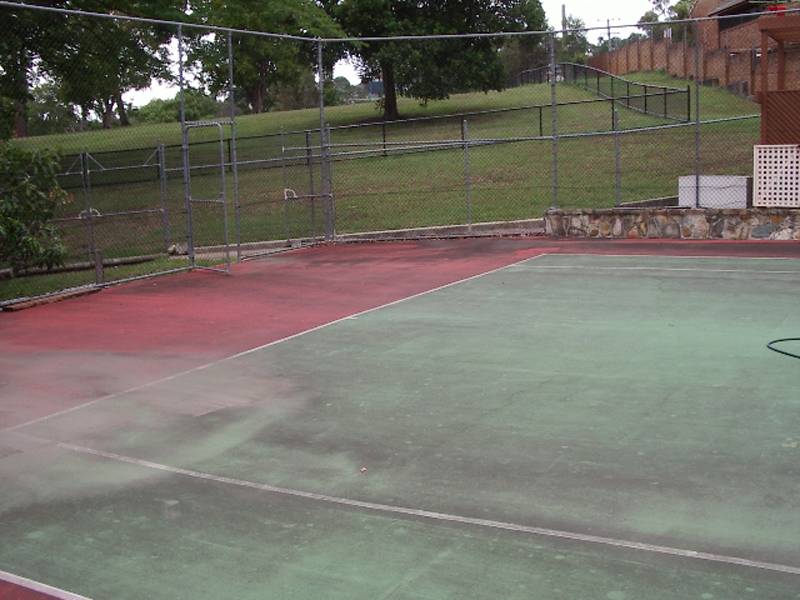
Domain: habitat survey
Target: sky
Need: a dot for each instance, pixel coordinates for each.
(598, 13)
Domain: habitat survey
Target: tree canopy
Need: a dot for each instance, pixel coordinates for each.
(651, 21)
(261, 62)
(90, 61)
(432, 69)
(61, 70)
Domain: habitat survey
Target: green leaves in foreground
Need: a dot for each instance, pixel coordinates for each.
(29, 195)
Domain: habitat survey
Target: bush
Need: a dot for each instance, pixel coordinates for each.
(29, 195)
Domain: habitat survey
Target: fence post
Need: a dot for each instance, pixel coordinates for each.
(232, 150)
(285, 195)
(554, 118)
(697, 114)
(329, 234)
(187, 189)
(310, 162)
(541, 122)
(86, 189)
(465, 140)
(331, 192)
(617, 165)
(162, 177)
(99, 273)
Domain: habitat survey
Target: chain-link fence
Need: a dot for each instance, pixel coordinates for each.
(208, 183)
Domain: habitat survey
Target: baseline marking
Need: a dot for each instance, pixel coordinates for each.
(262, 347)
(664, 269)
(443, 517)
(37, 586)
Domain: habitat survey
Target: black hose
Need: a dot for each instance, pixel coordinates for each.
(771, 347)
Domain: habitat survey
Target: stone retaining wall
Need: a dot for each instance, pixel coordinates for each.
(675, 223)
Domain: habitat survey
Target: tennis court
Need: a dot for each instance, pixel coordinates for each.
(476, 418)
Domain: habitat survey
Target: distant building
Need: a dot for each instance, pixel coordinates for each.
(733, 28)
(374, 88)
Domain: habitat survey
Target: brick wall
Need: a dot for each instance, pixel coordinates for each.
(733, 65)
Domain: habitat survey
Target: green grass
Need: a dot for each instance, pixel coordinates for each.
(391, 189)
(38, 285)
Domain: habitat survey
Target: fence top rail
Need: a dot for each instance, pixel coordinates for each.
(602, 73)
(321, 40)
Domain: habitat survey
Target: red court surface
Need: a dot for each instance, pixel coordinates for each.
(10, 591)
(175, 323)
(65, 354)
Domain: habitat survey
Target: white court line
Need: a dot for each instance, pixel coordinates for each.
(664, 269)
(37, 586)
(258, 348)
(394, 302)
(443, 517)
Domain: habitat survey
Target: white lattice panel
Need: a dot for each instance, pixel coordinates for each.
(776, 176)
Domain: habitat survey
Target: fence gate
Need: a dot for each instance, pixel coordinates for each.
(205, 194)
(306, 179)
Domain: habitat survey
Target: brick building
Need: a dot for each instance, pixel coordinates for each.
(729, 47)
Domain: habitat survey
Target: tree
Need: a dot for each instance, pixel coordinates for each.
(197, 107)
(260, 63)
(29, 196)
(680, 11)
(573, 46)
(650, 24)
(93, 61)
(23, 32)
(432, 69)
(47, 113)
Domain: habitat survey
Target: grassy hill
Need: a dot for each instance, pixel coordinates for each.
(381, 177)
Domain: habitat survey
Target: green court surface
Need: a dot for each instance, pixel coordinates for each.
(569, 426)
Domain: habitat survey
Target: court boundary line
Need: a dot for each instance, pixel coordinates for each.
(264, 346)
(38, 586)
(673, 256)
(441, 517)
(399, 510)
(398, 301)
(668, 269)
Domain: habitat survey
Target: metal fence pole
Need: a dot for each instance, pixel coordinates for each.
(465, 140)
(162, 177)
(322, 147)
(232, 151)
(310, 162)
(99, 273)
(285, 189)
(554, 117)
(86, 190)
(697, 114)
(617, 162)
(187, 190)
(331, 190)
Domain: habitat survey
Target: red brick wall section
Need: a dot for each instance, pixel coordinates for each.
(731, 65)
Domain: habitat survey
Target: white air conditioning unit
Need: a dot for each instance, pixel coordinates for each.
(776, 176)
(716, 191)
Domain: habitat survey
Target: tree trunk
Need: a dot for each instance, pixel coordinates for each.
(255, 96)
(390, 112)
(121, 112)
(20, 121)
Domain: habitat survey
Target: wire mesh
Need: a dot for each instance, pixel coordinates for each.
(144, 198)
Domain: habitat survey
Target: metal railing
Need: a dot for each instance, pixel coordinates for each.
(581, 139)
